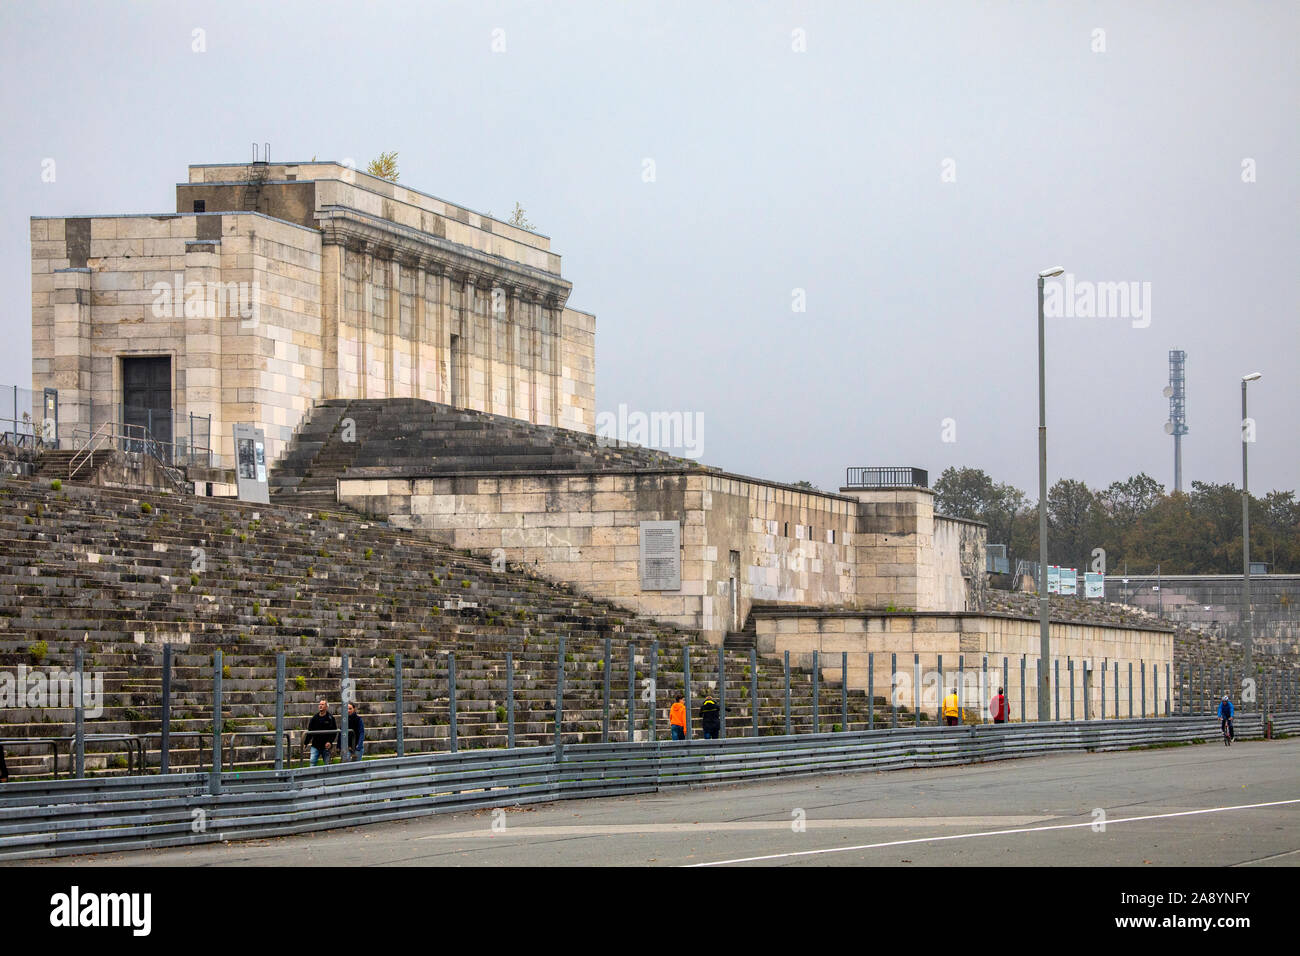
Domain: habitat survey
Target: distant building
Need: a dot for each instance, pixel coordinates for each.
(274, 286)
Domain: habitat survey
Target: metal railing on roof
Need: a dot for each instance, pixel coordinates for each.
(887, 477)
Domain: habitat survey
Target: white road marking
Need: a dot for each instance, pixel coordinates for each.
(615, 829)
(987, 833)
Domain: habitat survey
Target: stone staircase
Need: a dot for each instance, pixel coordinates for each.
(118, 573)
(411, 437)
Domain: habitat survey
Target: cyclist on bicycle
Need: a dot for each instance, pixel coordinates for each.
(1225, 716)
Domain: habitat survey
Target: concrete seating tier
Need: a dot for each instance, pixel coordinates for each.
(411, 437)
(119, 573)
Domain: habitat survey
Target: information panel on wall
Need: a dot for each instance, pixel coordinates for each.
(250, 464)
(661, 556)
(1094, 585)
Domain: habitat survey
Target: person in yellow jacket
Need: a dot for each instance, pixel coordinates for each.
(677, 718)
(951, 711)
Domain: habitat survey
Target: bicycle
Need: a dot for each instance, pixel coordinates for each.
(1226, 726)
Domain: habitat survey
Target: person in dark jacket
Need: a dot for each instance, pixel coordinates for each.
(322, 734)
(710, 717)
(1225, 717)
(356, 733)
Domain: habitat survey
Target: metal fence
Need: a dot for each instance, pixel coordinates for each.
(887, 477)
(173, 439)
(1081, 690)
(49, 819)
(28, 419)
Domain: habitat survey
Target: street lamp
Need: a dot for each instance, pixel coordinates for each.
(1247, 436)
(1044, 647)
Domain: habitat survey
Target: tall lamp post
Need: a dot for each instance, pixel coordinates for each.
(1044, 645)
(1248, 614)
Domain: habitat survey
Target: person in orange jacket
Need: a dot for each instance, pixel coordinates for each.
(677, 718)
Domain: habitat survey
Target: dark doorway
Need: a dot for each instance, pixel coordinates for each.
(147, 397)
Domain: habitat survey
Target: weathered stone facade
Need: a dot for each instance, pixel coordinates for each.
(964, 642)
(762, 542)
(276, 286)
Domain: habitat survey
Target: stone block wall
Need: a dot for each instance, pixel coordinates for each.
(771, 543)
(110, 287)
(941, 643)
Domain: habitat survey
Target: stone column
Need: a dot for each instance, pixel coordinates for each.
(332, 299)
(418, 350)
(468, 345)
(366, 316)
(72, 364)
(392, 325)
(198, 378)
(512, 350)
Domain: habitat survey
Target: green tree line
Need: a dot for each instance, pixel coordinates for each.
(1135, 521)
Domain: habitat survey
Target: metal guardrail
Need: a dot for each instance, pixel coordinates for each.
(887, 477)
(61, 818)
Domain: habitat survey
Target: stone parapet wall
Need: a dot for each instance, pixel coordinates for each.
(944, 642)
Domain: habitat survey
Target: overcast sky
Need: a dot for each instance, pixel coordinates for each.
(908, 166)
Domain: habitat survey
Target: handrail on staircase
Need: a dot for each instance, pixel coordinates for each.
(87, 451)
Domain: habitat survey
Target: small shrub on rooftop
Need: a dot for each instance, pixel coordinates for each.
(300, 682)
(146, 508)
(56, 485)
(38, 651)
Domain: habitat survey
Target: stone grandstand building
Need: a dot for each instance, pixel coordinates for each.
(272, 287)
(416, 362)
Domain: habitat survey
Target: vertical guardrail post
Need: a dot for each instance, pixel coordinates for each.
(1069, 673)
(787, 693)
(79, 683)
(631, 693)
(604, 722)
(1056, 684)
(916, 688)
(559, 703)
(510, 696)
(1130, 689)
(279, 710)
(214, 778)
(451, 700)
(1004, 685)
(816, 693)
(165, 762)
(1117, 689)
(1142, 676)
(753, 688)
(1022, 688)
(722, 693)
(961, 689)
(1103, 688)
(1169, 696)
(1087, 704)
(399, 691)
(844, 692)
(686, 679)
(984, 690)
(1155, 688)
(940, 691)
(652, 715)
(893, 690)
(345, 698)
(871, 690)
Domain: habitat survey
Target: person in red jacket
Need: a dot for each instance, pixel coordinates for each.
(677, 718)
(1001, 709)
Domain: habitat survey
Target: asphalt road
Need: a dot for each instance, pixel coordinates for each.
(1203, 805)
